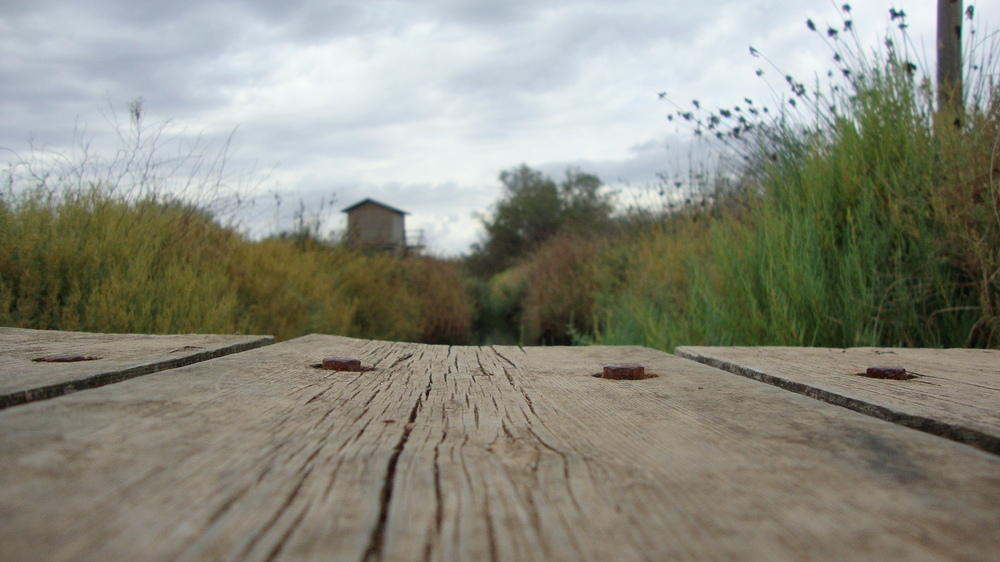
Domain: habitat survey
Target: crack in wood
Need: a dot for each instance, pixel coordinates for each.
(273, 555)
(377, 538)
(225, 507)
(438, 498)
(323, 419)
(520, 390)
(400, 360)
(501, 356)
(491, 534)
(565, 461)
(319, 395)
(256, 538)
(482, 369)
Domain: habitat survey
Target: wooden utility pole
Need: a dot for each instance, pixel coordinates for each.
(949, 56)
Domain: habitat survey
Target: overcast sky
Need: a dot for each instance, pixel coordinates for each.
(416, 103)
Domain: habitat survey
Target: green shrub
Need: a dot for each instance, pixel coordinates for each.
(498, 307)
(89, 262)
(560, 286)
(289, 291)
(445, 300)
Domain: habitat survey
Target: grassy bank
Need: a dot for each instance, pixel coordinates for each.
(864, 218)
(92, 261)
(860, 216)
(134, 241)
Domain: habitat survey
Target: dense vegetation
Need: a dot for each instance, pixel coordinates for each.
(533, 209)
(90, 262)
(97, 244)
(860, 215)
(866, 218)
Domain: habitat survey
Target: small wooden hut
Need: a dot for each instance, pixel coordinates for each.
(377, 226)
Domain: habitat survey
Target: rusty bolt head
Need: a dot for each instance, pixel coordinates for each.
(342, 364)
(624, 371)
(894, 373)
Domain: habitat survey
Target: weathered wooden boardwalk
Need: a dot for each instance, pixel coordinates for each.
(507, 453)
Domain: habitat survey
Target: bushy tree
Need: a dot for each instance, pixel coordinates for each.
(585, 208)
(532, 209)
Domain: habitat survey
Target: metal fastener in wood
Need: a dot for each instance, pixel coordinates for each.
(624, 371)
(894, 373)
(349, 364)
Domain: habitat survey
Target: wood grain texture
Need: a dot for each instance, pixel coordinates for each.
(955, 393)
(445, 453)
(113, 358)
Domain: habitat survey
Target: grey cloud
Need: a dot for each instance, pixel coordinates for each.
(490, 15)
(86, 55)
(546, 54)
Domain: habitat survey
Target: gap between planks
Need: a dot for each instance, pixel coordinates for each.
(112, 358)
(961, 404)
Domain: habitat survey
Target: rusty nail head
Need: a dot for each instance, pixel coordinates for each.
(342, 364)
(624, 371)
(894, 373)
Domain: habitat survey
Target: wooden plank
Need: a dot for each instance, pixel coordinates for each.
(217, 460)
(41, 364)
(477, 453)
(954, 393)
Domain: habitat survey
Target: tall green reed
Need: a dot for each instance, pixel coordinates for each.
(859, 221)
